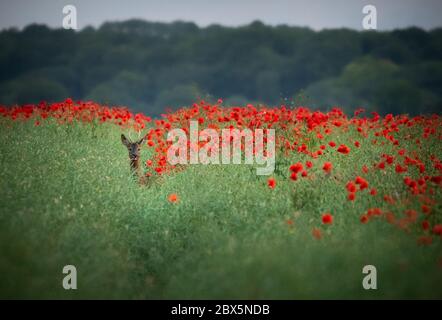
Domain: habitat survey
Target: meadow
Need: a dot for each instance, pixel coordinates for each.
(348, 191)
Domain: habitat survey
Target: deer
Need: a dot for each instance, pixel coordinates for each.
(134, 157)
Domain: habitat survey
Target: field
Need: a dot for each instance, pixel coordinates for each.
(347, 191)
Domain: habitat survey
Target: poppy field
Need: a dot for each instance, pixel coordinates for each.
(347, 191)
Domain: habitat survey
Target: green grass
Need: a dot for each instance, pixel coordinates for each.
(66, 197)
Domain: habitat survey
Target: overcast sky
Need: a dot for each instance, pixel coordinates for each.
(316, 14)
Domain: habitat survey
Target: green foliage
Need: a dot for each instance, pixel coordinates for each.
(67, 198)
(36, 89)
(149, 66)
(377, 85)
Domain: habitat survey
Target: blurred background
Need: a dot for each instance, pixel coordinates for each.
(149, 55)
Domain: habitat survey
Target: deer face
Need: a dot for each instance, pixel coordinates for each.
(133, 147)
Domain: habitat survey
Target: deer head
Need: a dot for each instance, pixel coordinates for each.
(134, 150)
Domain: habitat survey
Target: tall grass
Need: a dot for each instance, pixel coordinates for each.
(66, 197)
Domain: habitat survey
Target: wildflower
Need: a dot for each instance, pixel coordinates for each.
(327, 218)
(327, 167)
(374, 212)
(173, 198)
(271, 182)
(343, 149)
(351, 187)
(317, 234)
(390, 217)
(437, 229)
(426, 209)
(363, 184)
(389, 159)
(400, 169)
(297, 167)
(364, 219)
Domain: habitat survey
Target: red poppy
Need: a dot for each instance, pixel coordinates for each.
(271, 182)
(400, 169)
(297, 167)
(364, 218)
(426, 209)
(363, 184)
(317, 234)
(327, 167)
(351, 187)
(343, 149)
(436, 179)
(390, 217)
(437, 229)
(173, 197)
(327, 218)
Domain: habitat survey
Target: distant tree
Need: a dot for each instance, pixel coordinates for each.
(127, 88)
(32, 90)
(371, 83)
(177, 97)
(150, 65)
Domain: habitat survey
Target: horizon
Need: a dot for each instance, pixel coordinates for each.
(97, 27)
(321, 14)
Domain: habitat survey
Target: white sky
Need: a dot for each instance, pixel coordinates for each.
(316, 14)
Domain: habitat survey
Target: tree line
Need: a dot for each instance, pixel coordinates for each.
(151, 66)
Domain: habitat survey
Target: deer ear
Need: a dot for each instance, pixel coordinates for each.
(124, 140)
(143, 140)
